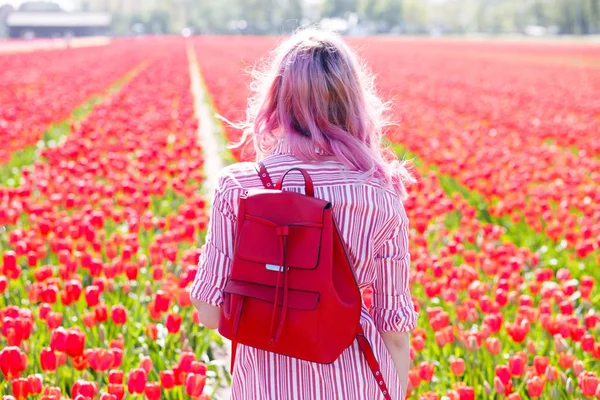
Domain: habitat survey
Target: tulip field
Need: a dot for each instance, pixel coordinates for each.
(104, 208)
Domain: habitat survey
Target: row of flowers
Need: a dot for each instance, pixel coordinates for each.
(103, 235)
(42, 88)
(548, 93)
(497, 319)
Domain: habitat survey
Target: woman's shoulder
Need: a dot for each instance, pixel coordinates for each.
(234, 176)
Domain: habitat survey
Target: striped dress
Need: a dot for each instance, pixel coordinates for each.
(374, 226)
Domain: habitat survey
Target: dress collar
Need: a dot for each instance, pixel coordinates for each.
(283, 147)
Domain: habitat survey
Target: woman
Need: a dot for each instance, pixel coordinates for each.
(316, 108)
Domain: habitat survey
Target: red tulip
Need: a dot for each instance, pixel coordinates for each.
(540, 363)
(9, 260)
(73, 290)
(54, 319)
(51, 393)
(118, 314)
(108, 396)
(161, 301)
(503, 373)
(465, 392)
(3, 284)
(146, 364)
(101, 312)
(92, 295)
(152, 391)
(588, 383)
(457, 366)
(35, 383)
(198, 367)
(516, 365)
(535, 387)
(117, 357)
(587, 343)
(58, 339)
(426, 371)
(185, 361)
(167, 379)
(173, 322)
(115, 376)
(12, 361)
(117, 390)
(20, 387)
(84, 388)
(493, 345)
(136, 381)
(75, 342)
(194, 384)
(101, 359)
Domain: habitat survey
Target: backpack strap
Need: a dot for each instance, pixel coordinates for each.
(264, 176)
(372, 362)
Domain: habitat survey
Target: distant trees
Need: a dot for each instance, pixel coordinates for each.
(491, 16)
(407, 16)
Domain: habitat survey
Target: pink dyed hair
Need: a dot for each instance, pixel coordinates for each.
(322, 98)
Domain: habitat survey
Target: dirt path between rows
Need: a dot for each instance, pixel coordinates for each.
(208, 132)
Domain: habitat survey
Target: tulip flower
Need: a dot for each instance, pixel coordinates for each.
(101, 313)
(457, 366)
(117, 390)
(146, 364)
(92, 295)
(51, 393)
(167, 379)
(115, 376)
(35, 383)
(194, 384)
(588, 383)
(198, 367)
(426, 371)
(535, 387)
(136, 381)
(516, 365)
(173, 322)
(118, 314)
(83, 388)
(152, 391)
(20, 387)
(75, 342)
(12, 361)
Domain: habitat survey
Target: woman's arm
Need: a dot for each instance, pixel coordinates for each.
(398, 345)
(208, 314)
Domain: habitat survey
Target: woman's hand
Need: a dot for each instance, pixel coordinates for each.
(398, 345)
(208, 314)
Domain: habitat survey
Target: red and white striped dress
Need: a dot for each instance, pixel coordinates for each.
(374, 226)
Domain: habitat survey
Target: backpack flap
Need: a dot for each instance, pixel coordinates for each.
(266, 213)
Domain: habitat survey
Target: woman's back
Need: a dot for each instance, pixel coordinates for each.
(373, 225)
(316, 108)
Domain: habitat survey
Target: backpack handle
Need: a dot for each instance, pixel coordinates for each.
(308, 188)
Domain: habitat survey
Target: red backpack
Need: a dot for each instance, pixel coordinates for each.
(292, 289)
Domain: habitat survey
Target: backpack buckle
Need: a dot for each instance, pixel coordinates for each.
(276, 268)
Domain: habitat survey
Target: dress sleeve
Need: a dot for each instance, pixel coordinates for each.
(393, 308)
(216, 254)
